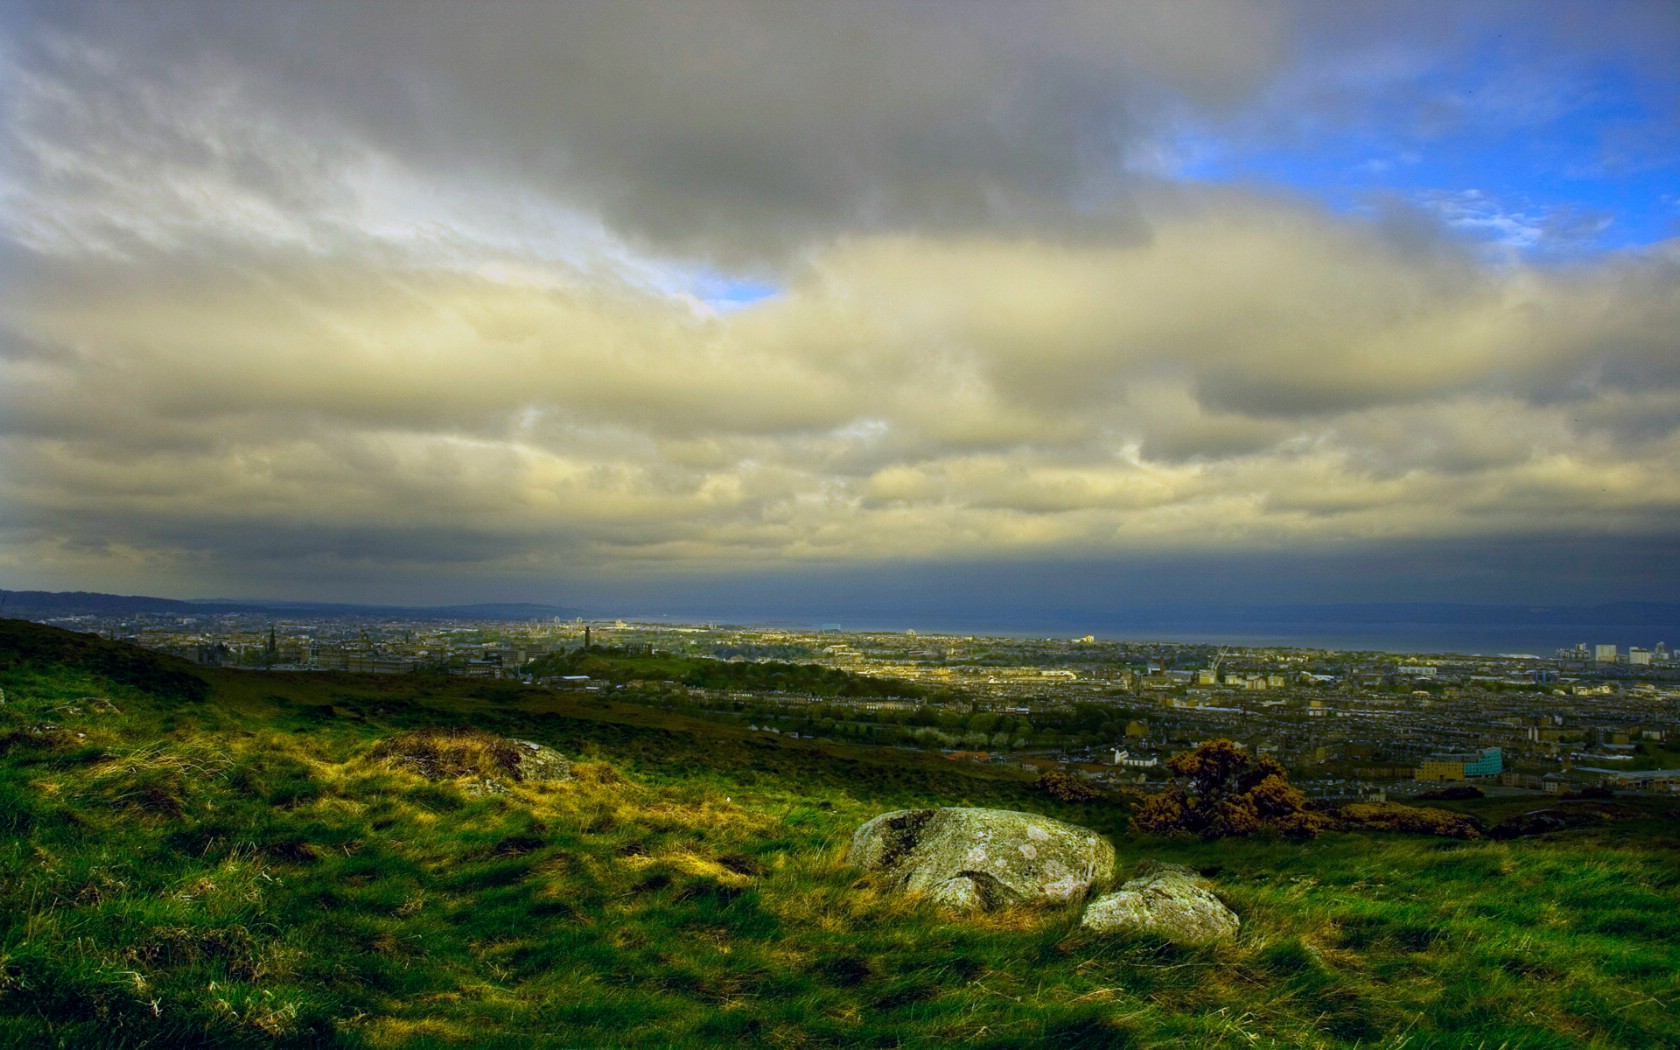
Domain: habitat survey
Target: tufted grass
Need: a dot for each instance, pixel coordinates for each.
(240, 869)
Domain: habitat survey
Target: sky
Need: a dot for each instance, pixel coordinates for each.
(801, 307)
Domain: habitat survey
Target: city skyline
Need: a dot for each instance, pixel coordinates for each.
(909, 308)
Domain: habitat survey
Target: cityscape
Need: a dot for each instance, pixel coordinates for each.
(1365, 725)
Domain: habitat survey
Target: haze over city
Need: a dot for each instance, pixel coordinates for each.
(793, 307)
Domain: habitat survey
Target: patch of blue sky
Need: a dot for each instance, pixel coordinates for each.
(1593, 167)
(725, 292)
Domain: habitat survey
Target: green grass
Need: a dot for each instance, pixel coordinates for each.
(231, 865)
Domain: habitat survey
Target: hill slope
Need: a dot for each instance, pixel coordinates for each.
(192, 858)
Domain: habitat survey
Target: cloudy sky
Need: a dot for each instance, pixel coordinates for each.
(806, 306)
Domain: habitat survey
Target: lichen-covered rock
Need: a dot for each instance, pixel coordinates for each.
(982, 859)
(1165, 899)
(540, 762)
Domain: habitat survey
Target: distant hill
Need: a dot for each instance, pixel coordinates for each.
(44, 604)
(30, 604)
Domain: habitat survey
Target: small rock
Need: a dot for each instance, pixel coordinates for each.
(1538, 822)
(982, 859)
(1166, 899)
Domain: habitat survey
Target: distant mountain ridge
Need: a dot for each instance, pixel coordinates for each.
(30, 604)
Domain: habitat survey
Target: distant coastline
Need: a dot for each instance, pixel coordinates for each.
(1488, 630)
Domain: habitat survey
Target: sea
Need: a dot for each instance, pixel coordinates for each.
(1272, 631)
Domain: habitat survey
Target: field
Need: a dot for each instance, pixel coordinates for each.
(216, 859)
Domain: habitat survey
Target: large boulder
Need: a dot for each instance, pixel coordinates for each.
(1165, 899)
(982, 859)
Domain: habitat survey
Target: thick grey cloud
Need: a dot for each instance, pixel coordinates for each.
(731, 130)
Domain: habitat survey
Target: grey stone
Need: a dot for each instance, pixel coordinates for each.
(982, 859)
(1165, 899)
(539, 762)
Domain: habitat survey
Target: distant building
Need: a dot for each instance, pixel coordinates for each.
(1604, 654)
(1633, 780)
(1439, 770)
(1639, 657)
(368, 664)
(1487, 763)
(1126, 758)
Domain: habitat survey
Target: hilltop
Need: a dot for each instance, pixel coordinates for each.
(196, 857)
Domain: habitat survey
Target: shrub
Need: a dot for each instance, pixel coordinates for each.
(1064, 787)
(1591, 792)
(1456, 793)
(1391, 816)
(1221, 790)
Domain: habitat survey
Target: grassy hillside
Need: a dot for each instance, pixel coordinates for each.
(193, 858)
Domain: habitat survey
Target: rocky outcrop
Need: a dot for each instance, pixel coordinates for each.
(488, 764)
(982, 859)
(1169, 900)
